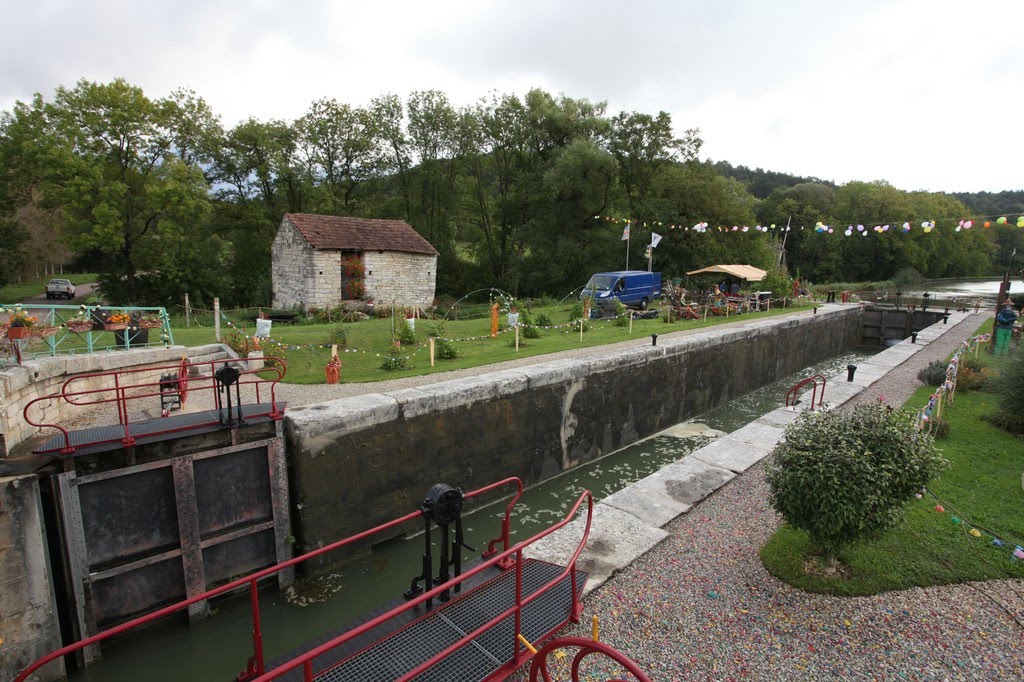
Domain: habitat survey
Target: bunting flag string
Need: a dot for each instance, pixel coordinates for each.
(895, 226)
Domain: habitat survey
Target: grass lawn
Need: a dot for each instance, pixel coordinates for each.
(306, 347)
(15, 292)
(981, 487)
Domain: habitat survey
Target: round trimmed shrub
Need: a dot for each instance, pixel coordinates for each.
(445, 349)
(934, 374)
(846, 476)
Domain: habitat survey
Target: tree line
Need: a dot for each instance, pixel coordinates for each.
(161, 198)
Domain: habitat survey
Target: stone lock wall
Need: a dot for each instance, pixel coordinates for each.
(358, 462)
(28, 611)
(404, 279)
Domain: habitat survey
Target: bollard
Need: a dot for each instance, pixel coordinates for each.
(654, 339)
(945, 318)
(815, 310)
(850, 369)
(913, 337)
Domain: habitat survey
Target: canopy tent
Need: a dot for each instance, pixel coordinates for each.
(747, 272)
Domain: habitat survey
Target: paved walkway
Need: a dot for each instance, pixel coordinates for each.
(700, 605)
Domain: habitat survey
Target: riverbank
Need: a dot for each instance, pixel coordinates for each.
(700, 605)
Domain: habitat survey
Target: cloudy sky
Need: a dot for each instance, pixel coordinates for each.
(923, 94)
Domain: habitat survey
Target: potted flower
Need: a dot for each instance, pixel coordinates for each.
(117, 321)
(151, 321)
(81, 322)
(20, 324)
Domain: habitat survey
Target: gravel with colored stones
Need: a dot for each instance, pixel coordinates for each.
(700, 606)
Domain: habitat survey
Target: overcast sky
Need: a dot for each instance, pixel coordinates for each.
(923, 94)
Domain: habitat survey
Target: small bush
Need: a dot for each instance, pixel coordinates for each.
(436, 329)
(934, 374)
(445, 349)
(395, 359)
(339, 335)
(405, 334)
(939, 428)
(1009, 389)
(907, 278)
(529, 332)
(844, 476)
(576, 311)
(621, 315)
(543, 320)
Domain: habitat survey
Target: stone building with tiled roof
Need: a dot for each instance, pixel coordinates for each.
(317, 260)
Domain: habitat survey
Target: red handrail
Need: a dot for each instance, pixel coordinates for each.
(305, 661)
(791, 394)
(256, 662)
(586, 648)
(121, 392)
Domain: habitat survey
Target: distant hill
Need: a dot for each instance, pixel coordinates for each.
(760, 182)
(993, 203)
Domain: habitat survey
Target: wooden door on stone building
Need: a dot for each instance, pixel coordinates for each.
(353, 276)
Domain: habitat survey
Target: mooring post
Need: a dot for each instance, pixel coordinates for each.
(654, 339)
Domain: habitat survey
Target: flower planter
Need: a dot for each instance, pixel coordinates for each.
(115, 326)
(17, 332)
(80, 326)
(150, 324)
(45, 331)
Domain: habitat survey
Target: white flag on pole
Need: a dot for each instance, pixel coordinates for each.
(655, 239)
(625, 233)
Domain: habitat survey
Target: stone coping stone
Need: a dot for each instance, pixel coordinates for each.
(616, 540)
(730, 453)
(336, 418)
(758, 433)
(780, 417)
(458, 392)
(670, 491)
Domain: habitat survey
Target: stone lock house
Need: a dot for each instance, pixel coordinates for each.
(319, 261)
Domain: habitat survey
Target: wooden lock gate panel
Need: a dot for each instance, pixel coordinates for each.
(150, 534)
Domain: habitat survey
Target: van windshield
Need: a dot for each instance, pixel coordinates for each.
(600, 283)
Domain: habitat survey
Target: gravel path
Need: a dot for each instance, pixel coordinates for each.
(700, 606)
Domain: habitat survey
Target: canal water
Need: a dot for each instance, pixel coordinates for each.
(216, 648)
(968, 291)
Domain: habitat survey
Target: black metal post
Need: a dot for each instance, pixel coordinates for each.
(925, 296)
(654, 339)
(899, 295)
(913, 337)
(850, 369)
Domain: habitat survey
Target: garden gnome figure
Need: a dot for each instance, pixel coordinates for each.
(494, 320)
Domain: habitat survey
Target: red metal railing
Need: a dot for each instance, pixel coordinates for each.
(518, 656)
(587, 647)
(255, 665)
(792, 394)
(122, 393)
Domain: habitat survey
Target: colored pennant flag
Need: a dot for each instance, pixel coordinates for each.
(625, 233)
(655, 239)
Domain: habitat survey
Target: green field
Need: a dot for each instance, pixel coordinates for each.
(19, 291)
(306, 347)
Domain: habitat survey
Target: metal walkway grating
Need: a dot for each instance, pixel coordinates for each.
(395, 655)
(104, 437)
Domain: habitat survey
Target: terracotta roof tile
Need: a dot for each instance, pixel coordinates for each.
(359, 234)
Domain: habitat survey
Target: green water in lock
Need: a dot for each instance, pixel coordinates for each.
(216, 649)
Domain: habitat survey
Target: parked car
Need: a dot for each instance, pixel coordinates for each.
(56, 288)
(633, 288)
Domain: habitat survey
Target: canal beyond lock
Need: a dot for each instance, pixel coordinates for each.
(216, 649)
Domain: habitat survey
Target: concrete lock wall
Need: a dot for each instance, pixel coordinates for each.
(358, 462)
(28, 612)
